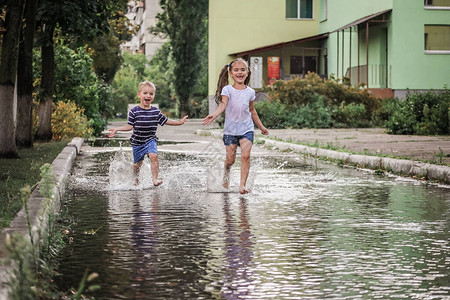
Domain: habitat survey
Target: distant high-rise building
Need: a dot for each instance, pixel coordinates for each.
(143, 13)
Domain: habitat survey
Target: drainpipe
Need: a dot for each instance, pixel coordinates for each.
(367, 52)
(350, 58)
(359, 66)
(337, 56)
(343, 53)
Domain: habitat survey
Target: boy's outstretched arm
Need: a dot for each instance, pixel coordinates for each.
(112, 131)
(176, 123)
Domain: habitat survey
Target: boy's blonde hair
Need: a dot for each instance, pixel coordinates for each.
(144, 83)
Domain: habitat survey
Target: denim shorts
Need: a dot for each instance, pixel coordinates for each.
(234, 139)
(139, 151)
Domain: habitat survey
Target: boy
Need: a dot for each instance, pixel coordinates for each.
(144, 120)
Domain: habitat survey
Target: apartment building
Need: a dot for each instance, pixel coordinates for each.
(389, 46)
(143, 13)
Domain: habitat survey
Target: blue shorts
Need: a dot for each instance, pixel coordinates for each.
(139, 151)
(234, 139)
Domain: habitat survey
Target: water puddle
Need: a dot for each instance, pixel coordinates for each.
(306, 231)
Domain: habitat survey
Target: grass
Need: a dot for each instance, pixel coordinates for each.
(18, 173)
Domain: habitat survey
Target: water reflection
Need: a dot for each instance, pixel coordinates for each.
(144, 235)
(238, 251)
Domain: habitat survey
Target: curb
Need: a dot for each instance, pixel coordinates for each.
(398, 166)
(61, 167)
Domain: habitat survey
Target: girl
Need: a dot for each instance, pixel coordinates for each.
(237, 102)
(144, 120)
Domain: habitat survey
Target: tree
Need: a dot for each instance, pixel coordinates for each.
(24, 122)
(184, 22)
(8, 71)
(82, 20)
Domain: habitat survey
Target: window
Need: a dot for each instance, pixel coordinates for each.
(299, 9)
(437, 38)
(297, 64)
(436, 3)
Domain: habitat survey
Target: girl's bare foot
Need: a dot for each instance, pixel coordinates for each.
(243, 190)
(226, 182)
(157, 182)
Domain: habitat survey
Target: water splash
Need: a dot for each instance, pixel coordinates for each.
(214, 179)
(121, 173)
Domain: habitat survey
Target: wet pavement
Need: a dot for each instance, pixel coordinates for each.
(366, 141)
(308, 229)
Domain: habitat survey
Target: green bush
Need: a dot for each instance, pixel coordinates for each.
(68, 121)
(385, 108)
(421, 113)
(317, 103)
(350, 115)
(275, 114)
(298, 92)
(75, 79)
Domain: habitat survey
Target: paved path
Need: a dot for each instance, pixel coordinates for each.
(366, 141)
(417, 156)
(373, 141)
(369, 141)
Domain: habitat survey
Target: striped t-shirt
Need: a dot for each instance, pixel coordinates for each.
(145, 122)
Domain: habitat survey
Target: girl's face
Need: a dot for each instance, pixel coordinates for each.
(239, 72)
(146, 95)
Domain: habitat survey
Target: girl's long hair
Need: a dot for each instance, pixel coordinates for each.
(223, 78)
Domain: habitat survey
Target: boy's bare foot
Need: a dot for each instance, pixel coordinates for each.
(136, 182)
(243, 190)
(157, 182)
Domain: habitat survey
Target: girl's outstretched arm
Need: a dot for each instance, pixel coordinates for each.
(219, 110)
(126, 127)
(256, 119)
(176, 123)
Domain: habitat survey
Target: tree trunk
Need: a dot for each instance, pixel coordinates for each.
(8, 71)
(24, 126)
(44, 132)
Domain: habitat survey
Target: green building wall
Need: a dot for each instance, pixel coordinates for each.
(236, 26)
(412, 67)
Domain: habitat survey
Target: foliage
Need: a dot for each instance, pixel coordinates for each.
(350, 115)
(316, 103)
(184, 23)
(275, 114)
(68, 121)
(125, 83)
(298, 91)
(385, 109)
(105, 50)
(106, 56)
(421, 113)
(76, 80)
(159, 70)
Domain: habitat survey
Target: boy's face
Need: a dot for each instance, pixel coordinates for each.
(146, 95)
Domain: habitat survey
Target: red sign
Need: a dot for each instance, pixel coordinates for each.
(273, 69)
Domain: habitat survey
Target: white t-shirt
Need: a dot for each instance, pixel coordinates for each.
(238, 119)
